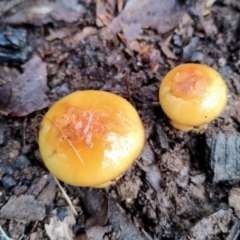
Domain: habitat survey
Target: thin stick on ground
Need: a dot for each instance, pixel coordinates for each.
(4, 235)
(66, 197)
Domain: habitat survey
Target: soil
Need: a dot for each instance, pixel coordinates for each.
(169, 192)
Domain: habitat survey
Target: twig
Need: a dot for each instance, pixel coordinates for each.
(4, 235)
(126, 80)
(66, 197)
(24, 131)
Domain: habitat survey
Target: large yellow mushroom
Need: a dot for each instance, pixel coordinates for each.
(192, 95)
(90, 138)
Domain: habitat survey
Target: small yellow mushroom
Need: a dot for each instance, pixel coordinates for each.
(90, 138)
(192, 95)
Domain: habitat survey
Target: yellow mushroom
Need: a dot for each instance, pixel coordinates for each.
(90, 138)
(192, 95)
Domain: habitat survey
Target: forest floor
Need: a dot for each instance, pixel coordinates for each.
(175, 189)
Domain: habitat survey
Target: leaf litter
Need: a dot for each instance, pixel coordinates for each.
(172, 198)
(25, 93)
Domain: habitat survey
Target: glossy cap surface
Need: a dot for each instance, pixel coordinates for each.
(192, 95)
(90, 138)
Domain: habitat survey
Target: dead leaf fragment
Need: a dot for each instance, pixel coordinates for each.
(162, 15)
(42, 12)
(60, 229)
(26, 93)
(167, 52)
(23, 209)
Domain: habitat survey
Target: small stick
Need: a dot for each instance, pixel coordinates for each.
(126, 80)
(66, 197)
(24, 131)
(4, 235)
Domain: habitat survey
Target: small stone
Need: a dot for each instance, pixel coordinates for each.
(198, 179)
(225, 71)
(222, 62)
(5, 169)
(26, 149)
(189, 50)
(8, 182)
(22, 162)
(13, 154)
(62, 213)
(61, 90)
(177, 40)
(197, 57)
(177, 50)
(233, 200)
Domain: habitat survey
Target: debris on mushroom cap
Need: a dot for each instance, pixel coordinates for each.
(192, 95)
(90, 138)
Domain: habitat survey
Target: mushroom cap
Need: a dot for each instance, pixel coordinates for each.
(192, 95)
(89, 138)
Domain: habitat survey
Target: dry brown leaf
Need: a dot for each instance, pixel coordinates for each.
(135, 46)
(144, 50)
(162, 15)
(101, 13)
(26, 93)
(43, 12)
(23, 209)
(120, 5)
(104, 11)
(167, 52)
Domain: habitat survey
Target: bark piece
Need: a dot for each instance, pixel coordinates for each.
(224, 152)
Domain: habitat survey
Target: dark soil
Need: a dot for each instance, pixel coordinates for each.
(170, 188)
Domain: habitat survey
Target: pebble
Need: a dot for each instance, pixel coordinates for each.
(197, 57)
(62, 213)
(8, 182)
(177, 50)
(198, 179)
(222, 62)
(13, 154)
(5, 169)
(61, 91)
(22, 162)
(225, 71)
(177, 40)
(26, 149)
(190, 49)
